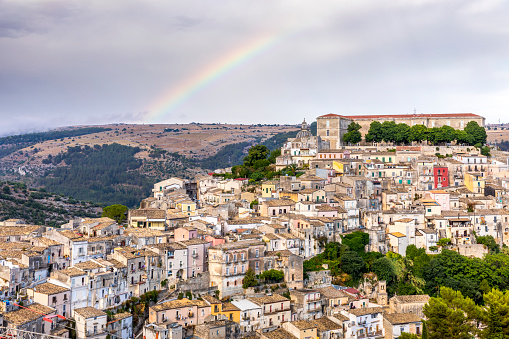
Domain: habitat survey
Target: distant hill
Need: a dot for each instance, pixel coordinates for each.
(39, 207)
(119, 163)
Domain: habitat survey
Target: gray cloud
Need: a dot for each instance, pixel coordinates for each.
(65, 62)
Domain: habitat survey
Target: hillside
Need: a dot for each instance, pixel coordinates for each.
(119, 163)
(39, 207)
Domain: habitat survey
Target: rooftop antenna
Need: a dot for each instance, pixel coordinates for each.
(415, 111)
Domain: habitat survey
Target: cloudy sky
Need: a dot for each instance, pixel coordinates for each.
(65, 62)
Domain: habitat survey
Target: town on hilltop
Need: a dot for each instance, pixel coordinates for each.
(376, 227)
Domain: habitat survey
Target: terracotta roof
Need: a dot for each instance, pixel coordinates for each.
(72, 272)
(46, 241)
(279, 334)
(178, 303)
(229, 307)
(366, 310)
(49, 288)
(303, 324)
(123, 315)
(89, 312)
(331, 292)
(210, 299)
(397, 234)
(87, 265)
(23, 316)
(150, 213)
(268, 299)
(279, 202)
(402, 318)
(325, 324)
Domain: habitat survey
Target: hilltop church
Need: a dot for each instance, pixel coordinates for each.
(332, 127)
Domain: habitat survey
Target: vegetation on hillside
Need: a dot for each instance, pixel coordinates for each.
(39, 207)
(347, 260)
(233, 154)
(107, 174)
(417, 272)
(13, 143)
(504, 145)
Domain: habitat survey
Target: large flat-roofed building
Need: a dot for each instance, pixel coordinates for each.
(332, 127)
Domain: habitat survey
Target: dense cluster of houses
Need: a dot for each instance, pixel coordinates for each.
(195, 240)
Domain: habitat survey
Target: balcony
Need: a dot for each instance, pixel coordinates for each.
(195, 255)
(276, 311)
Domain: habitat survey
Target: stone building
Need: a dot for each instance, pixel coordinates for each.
(229, 262)
(332, 127)
(301, 149)
(408, 304)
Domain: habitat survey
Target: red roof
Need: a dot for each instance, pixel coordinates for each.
(351, 291)
(241, 179)
(403, 116)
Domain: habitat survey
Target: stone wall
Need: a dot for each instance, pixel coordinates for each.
(472, 250)
(318, 279)
(199, 283)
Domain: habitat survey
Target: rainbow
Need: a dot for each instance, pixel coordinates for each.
(208, 75)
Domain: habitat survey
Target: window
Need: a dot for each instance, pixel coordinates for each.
(327, 132)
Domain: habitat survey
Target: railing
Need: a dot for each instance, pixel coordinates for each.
(276, 311)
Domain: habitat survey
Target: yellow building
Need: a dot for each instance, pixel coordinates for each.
(219, 310)
(147, 218)
(289, 195)
(268, 188)
(475, 182)
(339, 167)
(187, 207)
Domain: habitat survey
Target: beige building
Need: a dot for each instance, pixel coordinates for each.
(408, 304)
(52, 295)
(275, 311)
(90, 323)
(229, 262)
(332, 127)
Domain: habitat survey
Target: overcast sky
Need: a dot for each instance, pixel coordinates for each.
(67, 62)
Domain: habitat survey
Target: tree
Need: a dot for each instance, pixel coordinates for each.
(418, 133)
(406, 335)
(402, 133)
(463, 137)
(356, 241)
(353, 264)
(477, 132)
(273, 155)
(495, 315)
(385, 270)
(445, 134)
(353, 136)
(485, 150)
(389, 131)
(6, 189)
(444, 242)
(249, 279)
(116, 212)
(258, 152)
(451, 315)
(375, 133)
(272, 276)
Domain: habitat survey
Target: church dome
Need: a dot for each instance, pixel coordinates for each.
(304, 131)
